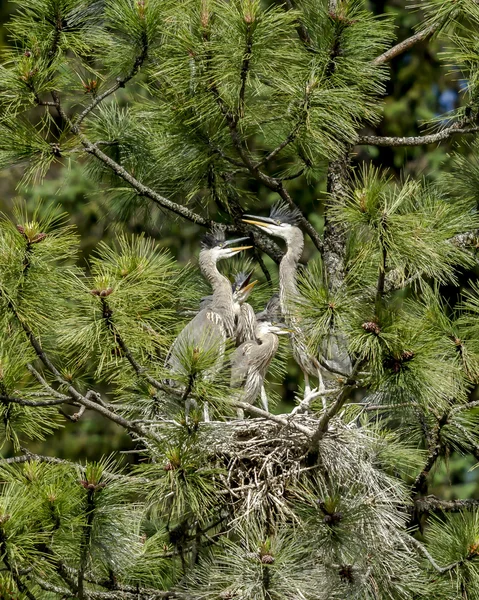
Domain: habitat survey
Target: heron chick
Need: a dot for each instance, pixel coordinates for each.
(245, 319)
(202, 340)
(283, 222)
(250, 361)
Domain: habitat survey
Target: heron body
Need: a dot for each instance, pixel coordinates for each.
(244, 315)
(251, 360)
(205, 335)
(282, 223)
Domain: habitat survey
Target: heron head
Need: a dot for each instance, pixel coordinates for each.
(282, 222)
(218, 247)
(273, 327)
(243, 286)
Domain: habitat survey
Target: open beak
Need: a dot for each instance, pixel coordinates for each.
(248, 288)
(239, 248)
(259, 221)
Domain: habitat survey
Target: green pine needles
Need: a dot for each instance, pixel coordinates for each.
(203, 115)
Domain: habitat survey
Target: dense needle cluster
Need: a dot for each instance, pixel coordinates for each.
(203, 111)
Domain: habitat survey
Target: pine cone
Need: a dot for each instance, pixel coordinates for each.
(267, 559)
(371, 327)
(346, 573)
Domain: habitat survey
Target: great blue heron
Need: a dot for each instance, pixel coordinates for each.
(203, 339)
(283, 222)
(251, 360)
(245, 318)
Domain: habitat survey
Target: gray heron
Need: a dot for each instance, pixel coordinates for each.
(283, 222)
(200, 346)
(251, 360)
(245, 318)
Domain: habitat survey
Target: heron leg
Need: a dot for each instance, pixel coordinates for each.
(206, 413)
(240, 413)
(322, 388)
(264, 399)
(307, 387)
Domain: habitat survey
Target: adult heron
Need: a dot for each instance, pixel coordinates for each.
(283, 222)
(200, 346)
(251, 360)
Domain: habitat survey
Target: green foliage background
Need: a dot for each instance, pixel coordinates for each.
(420, 88)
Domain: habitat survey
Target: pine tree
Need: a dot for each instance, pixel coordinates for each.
(207, 110)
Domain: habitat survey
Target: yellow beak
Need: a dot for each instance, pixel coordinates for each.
(239, 248)
(250, 286)
(258, 223)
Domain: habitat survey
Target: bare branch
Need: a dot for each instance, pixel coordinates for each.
(258, 412)
(434, 504)
(426, 553)
(456, 129)
(333, 410)
(24, 402)
(406, 44)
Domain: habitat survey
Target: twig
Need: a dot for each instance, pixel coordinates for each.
(374, 140)
(270, 417)
(120, 82)
(406, 44)
(426, 553)
(23, 402)
(334, 408)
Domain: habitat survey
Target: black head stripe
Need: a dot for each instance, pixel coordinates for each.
(283, 213)
(213, 238)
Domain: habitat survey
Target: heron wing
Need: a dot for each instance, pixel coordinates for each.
(240, 363)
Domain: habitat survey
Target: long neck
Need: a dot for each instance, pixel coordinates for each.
(288, 270)
(269, 346)
(222, 301)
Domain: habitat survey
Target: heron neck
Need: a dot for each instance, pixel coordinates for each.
(288, 270)
(222, 300)
(269, 345)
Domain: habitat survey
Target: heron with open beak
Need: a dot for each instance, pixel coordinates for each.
(205, 335)
(283, 223)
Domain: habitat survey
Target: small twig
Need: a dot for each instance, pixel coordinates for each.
(374, 140)
(270, 417)
(406, 44)
(426, 553)
(23, 402)
(120, 82)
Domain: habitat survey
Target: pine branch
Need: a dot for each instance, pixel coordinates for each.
(74, 393)
(424, 550)
(456, 129)
(419, 486)
(258, 412)
(434, 504)
(107, 314)
(22, 587)
(334, 409)
(334, 235)
(245, 68)
(24, 402)
(406, 44)
(120, 83)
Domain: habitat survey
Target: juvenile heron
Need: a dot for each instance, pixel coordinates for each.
(251, 360)
(283, 222)
(245, 318)
(205, 335)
